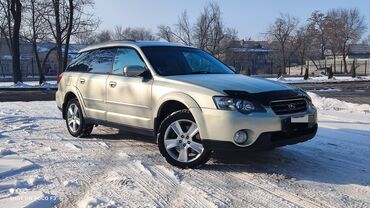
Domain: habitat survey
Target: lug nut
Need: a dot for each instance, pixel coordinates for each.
(184, 145)
(182, 136)
(180, 141)
(188, 142)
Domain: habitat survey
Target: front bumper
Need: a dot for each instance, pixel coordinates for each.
(266, 140)
(265, 130)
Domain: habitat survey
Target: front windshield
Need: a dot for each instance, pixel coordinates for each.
(168, 60)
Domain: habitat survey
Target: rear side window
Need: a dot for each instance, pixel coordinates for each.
(126, 57)
(98, 61)
(78, 64)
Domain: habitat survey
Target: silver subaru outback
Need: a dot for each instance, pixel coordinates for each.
(189, 101)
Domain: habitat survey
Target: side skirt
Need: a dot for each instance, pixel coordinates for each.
(133, 129)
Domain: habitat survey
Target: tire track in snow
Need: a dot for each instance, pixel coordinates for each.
(274, 190)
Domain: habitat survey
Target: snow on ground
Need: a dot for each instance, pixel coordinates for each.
(42, 165)
(29, 84)
(320, 79)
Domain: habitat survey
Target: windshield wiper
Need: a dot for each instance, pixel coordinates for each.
(201, 72)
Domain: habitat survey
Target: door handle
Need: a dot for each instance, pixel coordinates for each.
(82, 81)
(112, 84)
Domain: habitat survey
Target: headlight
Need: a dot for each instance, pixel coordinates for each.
(243, 106)
(224, 103)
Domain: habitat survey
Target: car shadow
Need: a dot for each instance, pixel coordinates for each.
(341, 159)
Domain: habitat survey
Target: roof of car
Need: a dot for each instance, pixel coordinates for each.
(118, 43)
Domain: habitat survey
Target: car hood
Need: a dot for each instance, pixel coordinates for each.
(221, 82)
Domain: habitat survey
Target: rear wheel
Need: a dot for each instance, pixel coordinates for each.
(75, 121)
(179, 141)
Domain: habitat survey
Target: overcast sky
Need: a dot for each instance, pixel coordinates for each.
(251, 18)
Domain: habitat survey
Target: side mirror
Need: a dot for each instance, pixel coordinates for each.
(133, 70)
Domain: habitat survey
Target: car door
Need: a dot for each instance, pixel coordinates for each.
(129, 98)
(93, 82)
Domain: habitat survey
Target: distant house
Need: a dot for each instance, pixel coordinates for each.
(359, 51)
(250, 56)
(356, 51)
(28, 63)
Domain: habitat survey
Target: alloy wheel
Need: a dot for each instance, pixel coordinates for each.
(182, 141)
(73, 118)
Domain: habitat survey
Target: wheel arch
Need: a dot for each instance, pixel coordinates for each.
(71, 94)
(173, 102)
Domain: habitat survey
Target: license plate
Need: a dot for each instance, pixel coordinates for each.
(300, 119)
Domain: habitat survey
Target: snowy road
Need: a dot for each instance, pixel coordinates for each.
(114, 169)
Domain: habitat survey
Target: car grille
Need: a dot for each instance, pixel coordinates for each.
(283, 107)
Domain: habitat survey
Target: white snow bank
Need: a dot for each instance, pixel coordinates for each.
(30, 84)
(320, 79)
(323, 103)
(48, 85)
(20, 85)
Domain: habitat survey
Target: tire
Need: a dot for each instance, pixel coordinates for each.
(75, 121)
(179, 141)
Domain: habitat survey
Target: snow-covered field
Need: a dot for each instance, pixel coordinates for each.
(320, 79)
(42, 165)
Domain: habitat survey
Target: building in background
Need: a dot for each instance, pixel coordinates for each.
(359, 51)
(28, 62)
(250, 57)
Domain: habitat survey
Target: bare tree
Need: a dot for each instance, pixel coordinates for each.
(103, 36)
(336, 31)
(281, 32)
(208, 32)
(11, 15)
(165, 32)
(302, 42)
(182, 31)
(351, 28)
(137, 33)
(333, 23)
(318, 30)
(66, 19)
(35, 30)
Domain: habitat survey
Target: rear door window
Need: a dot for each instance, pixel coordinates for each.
(99, 61)
(78, 65)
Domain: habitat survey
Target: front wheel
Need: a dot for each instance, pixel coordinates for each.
(75, 121)
(179, 141)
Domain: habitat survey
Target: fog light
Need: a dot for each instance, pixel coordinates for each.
(240, 137)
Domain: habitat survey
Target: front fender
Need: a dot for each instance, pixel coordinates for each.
(189, 102)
